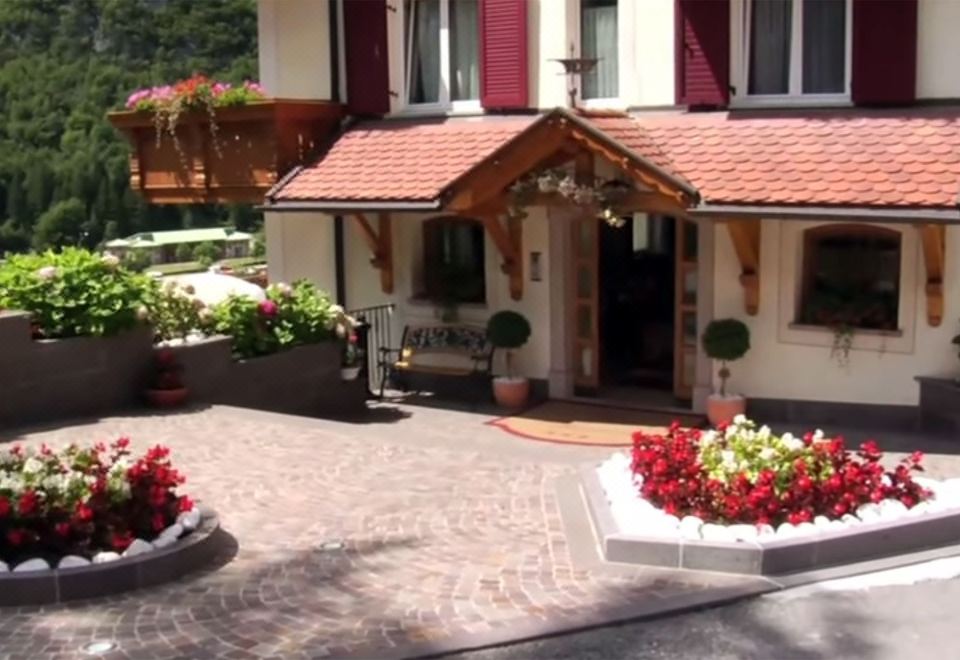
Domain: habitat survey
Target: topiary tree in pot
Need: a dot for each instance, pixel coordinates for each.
(726, 340)
(509, 331)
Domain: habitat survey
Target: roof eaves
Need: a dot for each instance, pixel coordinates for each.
(934, 215)
(351, 206)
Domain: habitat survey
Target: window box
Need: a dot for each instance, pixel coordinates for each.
(255, 145)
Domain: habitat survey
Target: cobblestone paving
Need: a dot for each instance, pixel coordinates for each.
(349, 539)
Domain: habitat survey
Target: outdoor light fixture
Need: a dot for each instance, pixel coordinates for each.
(535, 273)
(573, 67)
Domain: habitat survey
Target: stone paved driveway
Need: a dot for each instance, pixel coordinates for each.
(419, 532)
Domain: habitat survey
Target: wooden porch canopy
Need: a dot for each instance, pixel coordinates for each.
(465, 167)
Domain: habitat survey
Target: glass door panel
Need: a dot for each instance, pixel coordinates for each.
(584, 306)
(685, 337)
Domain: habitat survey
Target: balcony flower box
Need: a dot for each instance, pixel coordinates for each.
(250, 148)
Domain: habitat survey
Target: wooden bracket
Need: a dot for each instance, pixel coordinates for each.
(745, 235)
(380, 244)
(509, 241)
(934, 241)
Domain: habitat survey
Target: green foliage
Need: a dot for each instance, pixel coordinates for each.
(63, 64)
(507, 329)
(73, 293)
(726, 339)
(290, 316)
(183, 252)
(175, 312)
(206, 253)
(137, 260)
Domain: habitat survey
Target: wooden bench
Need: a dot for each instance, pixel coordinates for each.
(421, 346)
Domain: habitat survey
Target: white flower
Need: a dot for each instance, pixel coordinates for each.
(817, 435)
(791, 443)
(764, 432)
(47, 272)
(740, 420)
(285, 289)
(567, 187)
(142, 313)
(110, 260)
(767, 453)
(32, 466)
(708, 438)
(729, 459)
(336, 310)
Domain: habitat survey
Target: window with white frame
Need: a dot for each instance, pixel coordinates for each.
(441, 53)
(794, 49)
(598, 40)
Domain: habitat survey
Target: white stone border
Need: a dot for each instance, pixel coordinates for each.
(635, 516)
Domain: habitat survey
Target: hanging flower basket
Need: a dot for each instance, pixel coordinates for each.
(205, 142)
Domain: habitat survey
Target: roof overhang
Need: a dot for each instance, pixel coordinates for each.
(867, 214)
(347, 206)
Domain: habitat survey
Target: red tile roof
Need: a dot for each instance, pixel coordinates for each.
(851, 158)
(401, 160)
(846, 158)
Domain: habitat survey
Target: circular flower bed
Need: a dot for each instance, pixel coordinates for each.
(703, 484)
(78, 505)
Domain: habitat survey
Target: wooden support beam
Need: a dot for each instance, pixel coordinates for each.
(509, 242)
(745, 235)
(933, 238)
(380, 244)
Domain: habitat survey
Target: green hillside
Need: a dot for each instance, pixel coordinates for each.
(63, 64)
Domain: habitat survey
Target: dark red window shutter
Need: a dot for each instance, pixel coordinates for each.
(884, 52)
(365, 47)
(503, 54)
(703, 52)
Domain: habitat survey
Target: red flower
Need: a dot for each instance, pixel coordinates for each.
(4, 506)
(184, 504)
(120, 541)
(83, 513)
(62, 529)
(158, 523)
(16, 537)
(28, 503)
(267, 308)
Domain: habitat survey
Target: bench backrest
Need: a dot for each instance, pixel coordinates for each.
(470, 340)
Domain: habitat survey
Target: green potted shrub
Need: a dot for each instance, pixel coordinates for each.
(726, 340)
(509, 331)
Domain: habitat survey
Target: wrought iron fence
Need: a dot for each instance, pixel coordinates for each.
(375, 331)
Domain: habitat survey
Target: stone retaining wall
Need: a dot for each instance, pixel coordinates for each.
(52, 379)
(47, 380)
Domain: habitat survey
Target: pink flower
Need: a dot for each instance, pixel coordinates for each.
(267, 308)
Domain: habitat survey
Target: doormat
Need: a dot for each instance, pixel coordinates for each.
(583, 424)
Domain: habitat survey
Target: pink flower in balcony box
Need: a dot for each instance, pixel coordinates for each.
(267, 308)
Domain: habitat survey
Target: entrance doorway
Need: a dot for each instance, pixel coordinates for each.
(646, 310)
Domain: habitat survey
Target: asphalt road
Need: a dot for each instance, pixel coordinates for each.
(880, 623)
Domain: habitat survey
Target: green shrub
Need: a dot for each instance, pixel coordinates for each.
(73, 293)
(175, 312)
(206, 253)
(289, 316)
(508, 330)
(726, 340)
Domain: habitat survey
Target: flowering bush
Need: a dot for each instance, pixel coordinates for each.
(290, 315)
(742, 474)
(72, 293)
(175, 311)
(81, 501)
(169, 102)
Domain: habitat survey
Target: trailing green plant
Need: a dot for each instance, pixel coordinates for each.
(726, 340)
(508, 330)
(601, 193)
(73, 293)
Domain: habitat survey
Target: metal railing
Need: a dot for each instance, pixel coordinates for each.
(375, 331)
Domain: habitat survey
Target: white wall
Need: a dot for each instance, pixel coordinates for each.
(651, 53)
(938, 49)
(363, 285)
(301, 246)
(787, 363)
(294, 48)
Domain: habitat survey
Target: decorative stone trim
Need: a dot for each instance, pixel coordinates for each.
(745, 549)
(143, 564)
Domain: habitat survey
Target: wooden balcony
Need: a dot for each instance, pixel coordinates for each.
(251, 148)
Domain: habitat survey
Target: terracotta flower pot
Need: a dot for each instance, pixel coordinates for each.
(511, 393)
(167, 398)
(722, 409)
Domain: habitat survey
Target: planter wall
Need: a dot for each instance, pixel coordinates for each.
(304, 380)
(57, 378)
(256, 144)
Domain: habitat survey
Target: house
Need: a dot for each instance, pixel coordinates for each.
(179, 245)
(791, 164)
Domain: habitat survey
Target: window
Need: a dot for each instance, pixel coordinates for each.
(453, 260)
(441, 52)
(851, 277)
(795, 48)
(598, 39)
